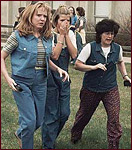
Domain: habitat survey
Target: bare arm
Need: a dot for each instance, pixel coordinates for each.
(63, 31)
(71, 48)
(83, 67)
(9, 80)
(58, 48)
(122, 69)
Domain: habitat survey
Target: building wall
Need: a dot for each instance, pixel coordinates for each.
(94, 9)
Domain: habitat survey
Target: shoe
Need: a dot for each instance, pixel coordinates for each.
(75, 140)
(75, 137)
(19, 140)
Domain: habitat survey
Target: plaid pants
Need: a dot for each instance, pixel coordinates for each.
(88, 104)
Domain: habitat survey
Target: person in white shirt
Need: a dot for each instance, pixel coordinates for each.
(98, 59)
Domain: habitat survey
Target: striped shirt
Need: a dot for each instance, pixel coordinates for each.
(12, 44)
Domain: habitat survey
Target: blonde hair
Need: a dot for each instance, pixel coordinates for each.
(25, 26)
(62, 10)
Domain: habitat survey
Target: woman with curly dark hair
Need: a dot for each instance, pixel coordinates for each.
(98, 60)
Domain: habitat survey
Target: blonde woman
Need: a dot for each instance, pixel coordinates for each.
(30, 47)
(58, 93)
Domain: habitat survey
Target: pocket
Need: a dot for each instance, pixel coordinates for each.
(29, 49)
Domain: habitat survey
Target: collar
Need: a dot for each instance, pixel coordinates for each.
(99, 49)
(31, 37)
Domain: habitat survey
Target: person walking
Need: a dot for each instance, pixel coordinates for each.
(30, 47)
(98, 59)
(80, 28)
(58, 93)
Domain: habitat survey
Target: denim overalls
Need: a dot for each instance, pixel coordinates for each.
(57, 103)
(31, 101)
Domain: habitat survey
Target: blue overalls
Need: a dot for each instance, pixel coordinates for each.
(57, 102)
(31, 101)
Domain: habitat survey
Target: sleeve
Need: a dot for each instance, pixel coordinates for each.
(11, 44)
(120, 54)
(53, 44)
(81, 22)
(85, 53)
(72, 38)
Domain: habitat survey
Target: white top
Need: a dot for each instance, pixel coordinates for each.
(86, 51)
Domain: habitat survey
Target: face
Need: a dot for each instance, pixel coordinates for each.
(71, 11)
(107, 38)
(39, 18)
(63, 21)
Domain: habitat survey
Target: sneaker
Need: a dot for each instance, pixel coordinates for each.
(75, 140)
(76, 137)
(19, 140)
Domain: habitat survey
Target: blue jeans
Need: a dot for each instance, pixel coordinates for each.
(31, 105)
(57, 110)
(79, 42)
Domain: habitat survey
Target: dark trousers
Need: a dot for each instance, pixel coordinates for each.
(88, 104)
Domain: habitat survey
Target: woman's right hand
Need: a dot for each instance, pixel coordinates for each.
(11, 83)
(64, 28)
(99, 66)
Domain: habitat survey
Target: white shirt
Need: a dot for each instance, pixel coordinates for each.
(86, 51)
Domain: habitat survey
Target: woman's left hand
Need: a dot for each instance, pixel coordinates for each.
(127, 78)
(63, 74)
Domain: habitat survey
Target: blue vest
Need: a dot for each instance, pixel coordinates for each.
(99, 80)
(24, 57)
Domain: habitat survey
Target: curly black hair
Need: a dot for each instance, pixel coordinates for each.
(106, 25)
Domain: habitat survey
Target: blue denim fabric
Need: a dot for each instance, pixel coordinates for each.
(57, 110)
(31, 105)
(24, 57)
(57, 103)
(99, 80)
(79, 42)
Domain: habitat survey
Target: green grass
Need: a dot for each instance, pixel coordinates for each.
(94, 134)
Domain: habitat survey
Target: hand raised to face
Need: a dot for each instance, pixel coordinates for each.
(63, 24)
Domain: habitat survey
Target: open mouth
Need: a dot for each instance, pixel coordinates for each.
(108, 39)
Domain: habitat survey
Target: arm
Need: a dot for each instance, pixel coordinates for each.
(64, 35)
(82, 58)
(72, 49)
(83, 67)
(59, 70)
(58, 48)
(8, 79)
(122, 69)
(81, 26)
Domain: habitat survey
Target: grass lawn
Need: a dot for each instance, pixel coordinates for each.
(94, 135)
